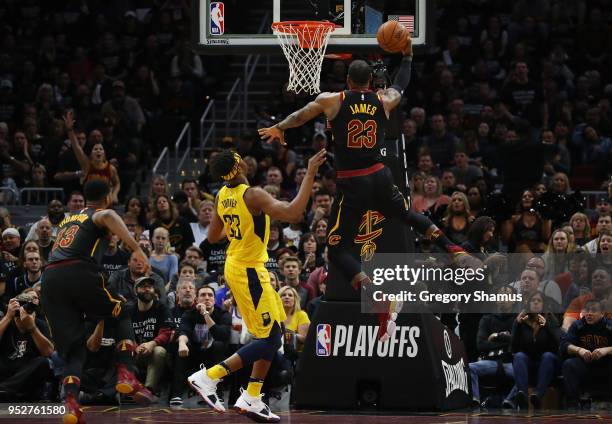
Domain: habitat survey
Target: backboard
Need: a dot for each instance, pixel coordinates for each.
(241, 27)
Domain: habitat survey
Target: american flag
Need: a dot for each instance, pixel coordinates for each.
(406, 20)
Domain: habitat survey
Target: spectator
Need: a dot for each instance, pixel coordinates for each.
(319, 278)
(320, 232)
(582, 228)
(603, 258)
(183, 205)
(159, 186)
(203, 335)
(432, 200)
(292, 234)
(588, 346)
(187, 271)
(603, 222)
(297, 321)
(11, 243)
(45, 240)
(579, 278)
(527, 231)
(275, 241)
(493, 342)
(153, 328)
(161, 258)
(480, 237)
(531, 282)
(465, 173)
(123, 281)
(94, 166)
(417, 181)
(322, 204)
(55, 215)
(601, 282)
(76, 202)
(308, 255)
(165, 214)
(523, 98)
(425, 163)
(449, 184)
(214, 254)
(290, 269)
(476, 199)
(556, 256)
(199, 229)
(16, 159)
(135, 208)
(126, 108)
(24, 348)
(114, 258)
(192, 190)
(457, 219)
(28, 276)
(535, 343)
(441, 144)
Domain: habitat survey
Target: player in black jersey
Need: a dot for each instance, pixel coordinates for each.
(358, 119)
(74, 288)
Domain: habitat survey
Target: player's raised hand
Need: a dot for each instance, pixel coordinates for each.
(407, 50)
(316, 160)
(272, 133)
(69, 119)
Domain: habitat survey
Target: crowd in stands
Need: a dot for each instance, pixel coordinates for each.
(506, 115)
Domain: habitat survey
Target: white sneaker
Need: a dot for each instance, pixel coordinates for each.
(207, 388)
(254, 408)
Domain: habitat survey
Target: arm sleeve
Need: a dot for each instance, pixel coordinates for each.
(402, 78)
(166, 327)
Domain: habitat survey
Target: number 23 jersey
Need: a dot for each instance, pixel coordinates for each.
(79, 238)
(358, 130)
(248, 234)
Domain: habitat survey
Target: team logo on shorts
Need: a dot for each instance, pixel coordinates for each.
(323, 339)
(333, 240)
(265, 317)
(217, 18)
(368, 233)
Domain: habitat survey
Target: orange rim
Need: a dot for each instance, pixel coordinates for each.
(310, 34)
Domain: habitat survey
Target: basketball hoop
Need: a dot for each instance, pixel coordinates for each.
(304, 44)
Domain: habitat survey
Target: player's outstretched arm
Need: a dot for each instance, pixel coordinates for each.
(392, 96)
(322, 104)
(258, 200)
(109, 219)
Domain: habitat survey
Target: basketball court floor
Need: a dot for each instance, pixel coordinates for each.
(114, 415)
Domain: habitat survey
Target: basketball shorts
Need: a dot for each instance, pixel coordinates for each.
(71, 291)
(258, 302)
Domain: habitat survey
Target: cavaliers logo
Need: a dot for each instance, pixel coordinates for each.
(367, 233)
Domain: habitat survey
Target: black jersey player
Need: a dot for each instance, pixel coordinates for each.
(358, 118)
(74, 288)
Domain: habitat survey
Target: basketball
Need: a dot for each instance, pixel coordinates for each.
(391, 36)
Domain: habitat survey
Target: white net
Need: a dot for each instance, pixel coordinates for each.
(304, 45)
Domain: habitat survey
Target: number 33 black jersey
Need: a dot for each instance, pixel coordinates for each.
(358, 129)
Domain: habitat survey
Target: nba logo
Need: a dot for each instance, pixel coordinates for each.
(323, 340)
(217, 18)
